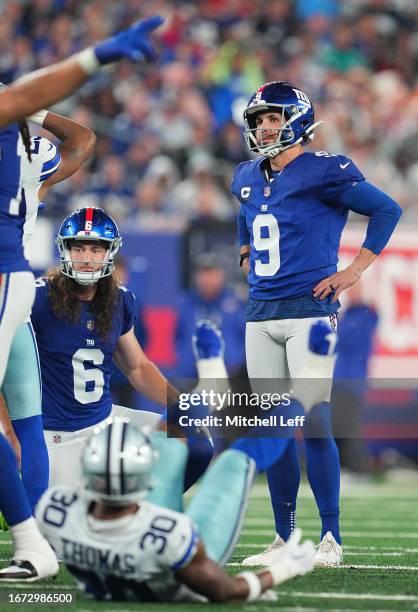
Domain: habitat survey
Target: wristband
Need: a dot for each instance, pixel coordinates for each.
(243, 257)
(38, 117)
(254, 585)
(87, 60)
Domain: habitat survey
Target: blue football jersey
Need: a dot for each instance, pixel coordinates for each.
(12, 213)
(75, 363)
(293, 220)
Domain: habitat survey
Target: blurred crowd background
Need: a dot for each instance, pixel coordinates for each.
(170, 132)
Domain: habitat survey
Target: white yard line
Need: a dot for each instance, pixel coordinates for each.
(347, 534)
(346, 554)
(403, 568)
(370, 596)
(250, 521)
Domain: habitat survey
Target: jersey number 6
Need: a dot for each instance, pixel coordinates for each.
(84, 378)
(268, 243)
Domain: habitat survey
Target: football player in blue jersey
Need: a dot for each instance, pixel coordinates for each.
(83, 320)
(25, 97)
(22, 386)
(293, 208)
(30, 95)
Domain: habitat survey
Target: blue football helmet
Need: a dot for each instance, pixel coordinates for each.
(88, 224)
(297, 113)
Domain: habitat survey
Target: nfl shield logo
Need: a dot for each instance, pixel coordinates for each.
(90, 325)
(267, 192)
(57, 439)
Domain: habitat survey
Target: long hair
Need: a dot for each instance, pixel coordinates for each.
(63, 293)
(25, 134)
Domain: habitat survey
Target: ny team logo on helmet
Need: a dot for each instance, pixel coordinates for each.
(116, 462)
(297, 114)
(83, 225)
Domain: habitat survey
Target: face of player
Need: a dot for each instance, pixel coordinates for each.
(87, 256)
(268, 126)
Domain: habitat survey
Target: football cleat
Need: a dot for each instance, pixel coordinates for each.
(329, 552)
(208, 342)
(267, 556)
(31, 565)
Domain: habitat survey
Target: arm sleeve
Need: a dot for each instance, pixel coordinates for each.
(129, 309)
(384, 213)
(243, 233)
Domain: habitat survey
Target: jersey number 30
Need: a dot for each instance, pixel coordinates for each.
(88, 383)
(269, 242)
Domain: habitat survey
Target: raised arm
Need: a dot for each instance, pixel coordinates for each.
(44, 87)
(77, 144)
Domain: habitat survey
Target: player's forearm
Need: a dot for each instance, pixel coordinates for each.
(77, 140)
(40, 89)
(148, 380)
(362, 261)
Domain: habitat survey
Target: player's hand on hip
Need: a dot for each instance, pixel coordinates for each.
(132, 43)
(336, 283)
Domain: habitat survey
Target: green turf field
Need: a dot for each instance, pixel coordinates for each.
(380, 572)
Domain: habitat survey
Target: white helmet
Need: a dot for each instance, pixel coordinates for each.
(117, 461)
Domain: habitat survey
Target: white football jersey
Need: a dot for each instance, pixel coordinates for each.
(46, 160)
(132, 558)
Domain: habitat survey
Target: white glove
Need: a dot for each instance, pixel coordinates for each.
(293, 559)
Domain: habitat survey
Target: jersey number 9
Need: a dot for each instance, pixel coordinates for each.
(268, 243)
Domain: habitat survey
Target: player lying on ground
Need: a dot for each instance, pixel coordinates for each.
(118, 548)
(122, 548)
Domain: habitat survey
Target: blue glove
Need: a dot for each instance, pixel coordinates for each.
(207, 341)
(322, 339)
(132, 43)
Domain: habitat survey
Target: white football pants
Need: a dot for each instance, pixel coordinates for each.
(278, 349)
(65, 447)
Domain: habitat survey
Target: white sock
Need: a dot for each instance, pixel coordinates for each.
(26, 536)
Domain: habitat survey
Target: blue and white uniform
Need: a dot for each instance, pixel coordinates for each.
(16, 279)
(22, 384)
(76, 363)
(133, 558)
(293, 222)
(76, 366)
